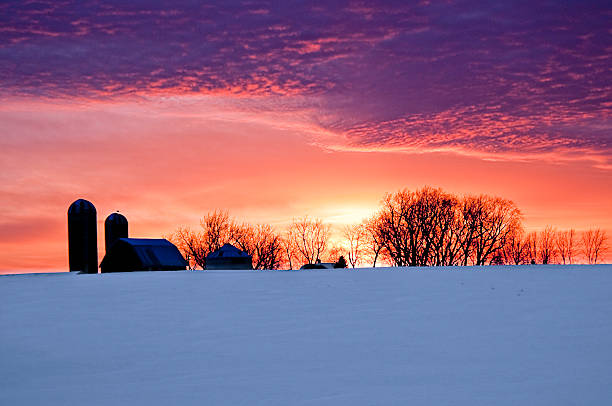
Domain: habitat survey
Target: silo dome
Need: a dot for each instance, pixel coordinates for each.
(116, 218)
(81, 206)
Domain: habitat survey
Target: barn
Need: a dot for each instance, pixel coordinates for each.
(229, 257)
(142, 254)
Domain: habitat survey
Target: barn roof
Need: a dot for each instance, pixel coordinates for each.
(228, 251)
(155, 251)
(150, 253)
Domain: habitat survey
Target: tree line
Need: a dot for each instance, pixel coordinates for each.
(426, 227)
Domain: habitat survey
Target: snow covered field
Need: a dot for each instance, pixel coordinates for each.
(526, 335)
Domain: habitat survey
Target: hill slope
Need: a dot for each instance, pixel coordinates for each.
(501, 336)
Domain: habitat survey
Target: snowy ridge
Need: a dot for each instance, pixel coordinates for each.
(530, 335)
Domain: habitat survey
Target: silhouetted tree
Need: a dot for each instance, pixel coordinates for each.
(190, 243)
(498, 218)
(289, 251)
(516, 247)
(374, 240)
(341, 263)
(533, 247)
(424, 227)
(261, 242)
(594, 245)
(309, 239)
(397, 227)
(444, 236)
(333, 253)
(355, 236)
(431, 227)
(471, 214)
(566, 245)
(216, 230)
(547, 246)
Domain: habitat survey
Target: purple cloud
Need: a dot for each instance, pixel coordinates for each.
(515, 77)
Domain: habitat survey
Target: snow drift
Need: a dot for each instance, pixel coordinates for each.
(530, 335)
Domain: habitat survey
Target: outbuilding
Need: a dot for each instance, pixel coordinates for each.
(229, 257)
(320, 265)
(142, 254)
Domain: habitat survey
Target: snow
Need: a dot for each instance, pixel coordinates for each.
(530, 335)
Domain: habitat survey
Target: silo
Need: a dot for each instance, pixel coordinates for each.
(82, 237)
(115, 227)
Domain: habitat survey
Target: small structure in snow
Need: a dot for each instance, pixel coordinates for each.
(320, 265)
(141, 254)
(229, 257)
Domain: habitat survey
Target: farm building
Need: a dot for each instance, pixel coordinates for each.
(229, 257)
(140, 254)
(320, 265)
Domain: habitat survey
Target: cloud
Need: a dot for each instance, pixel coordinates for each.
(500, 80)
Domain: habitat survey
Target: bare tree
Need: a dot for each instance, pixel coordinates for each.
(566, 245)
(548, 249)
(355, 235)
(444, 235)
(216, 230)
(397, 228)
(374, 240)
(431, 227)
(407, 225)
(191, 245)
(309, 238)
(472, 211)
(268, 248)
(216, 227)
(289, 251)
(333, 253)
(260, 241)
(594, 245)
(498, 219)
(420, 228)
(533, 247)
(515, 250)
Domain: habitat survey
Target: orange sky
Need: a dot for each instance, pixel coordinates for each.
(166, 110)
(162, 167)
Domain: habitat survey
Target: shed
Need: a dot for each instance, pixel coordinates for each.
(229, 257)
(142, 254)
(320, 265)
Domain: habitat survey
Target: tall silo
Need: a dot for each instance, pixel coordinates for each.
(82, 237)
(115, 227)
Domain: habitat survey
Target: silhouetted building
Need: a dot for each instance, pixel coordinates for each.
(229, 257)
(115, 227)
(319, 265)
(140, 254)
(82, 237)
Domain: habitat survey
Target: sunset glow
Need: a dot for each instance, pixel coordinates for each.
(168, 110)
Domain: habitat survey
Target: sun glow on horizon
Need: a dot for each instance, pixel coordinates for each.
(318, 116)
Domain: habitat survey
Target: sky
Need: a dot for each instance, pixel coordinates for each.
(167, 110)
